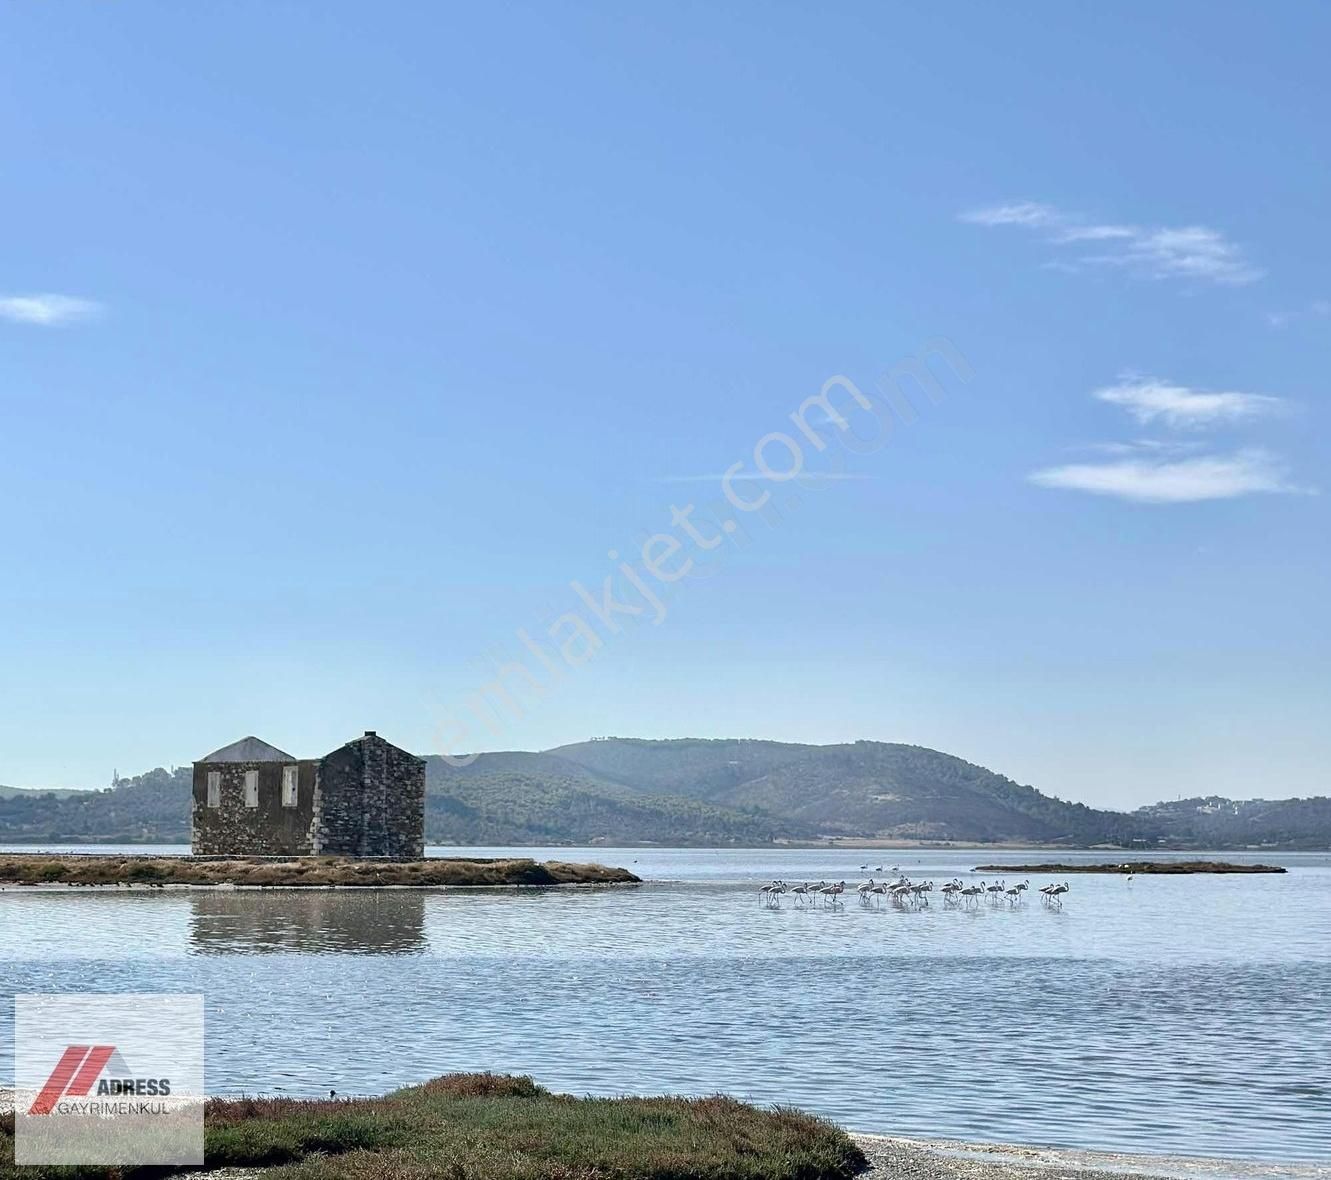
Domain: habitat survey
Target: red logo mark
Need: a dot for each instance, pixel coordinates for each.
(74, 1074)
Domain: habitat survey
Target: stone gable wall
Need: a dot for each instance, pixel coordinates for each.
(371, 801)
(267, 830)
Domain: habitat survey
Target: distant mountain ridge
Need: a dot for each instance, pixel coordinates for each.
(695, 791)
(14, 792)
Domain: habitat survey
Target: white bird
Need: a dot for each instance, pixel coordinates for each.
(831, 892)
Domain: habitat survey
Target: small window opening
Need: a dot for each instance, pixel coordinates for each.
(214, 788)
(289, 795)
(251, 788)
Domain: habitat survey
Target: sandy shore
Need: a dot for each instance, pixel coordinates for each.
(942, 1159)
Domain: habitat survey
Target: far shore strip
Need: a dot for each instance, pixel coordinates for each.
(1133, 867)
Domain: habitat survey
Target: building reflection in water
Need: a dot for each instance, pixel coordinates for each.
(311, 921)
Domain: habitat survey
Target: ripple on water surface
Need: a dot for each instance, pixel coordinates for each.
(1187, 1015)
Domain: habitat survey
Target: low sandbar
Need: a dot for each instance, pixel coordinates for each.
(93, 869)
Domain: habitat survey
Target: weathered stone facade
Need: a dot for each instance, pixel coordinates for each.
(365, 799)
(371, 801)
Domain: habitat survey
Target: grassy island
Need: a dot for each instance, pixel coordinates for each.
(1136, 867)
(308, 871)
(489, 1127)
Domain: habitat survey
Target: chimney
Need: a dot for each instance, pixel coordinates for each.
(370, 733)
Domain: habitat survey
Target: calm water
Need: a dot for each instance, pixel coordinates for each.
(1188, 1015)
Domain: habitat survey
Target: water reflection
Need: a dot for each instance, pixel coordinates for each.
(365, 922)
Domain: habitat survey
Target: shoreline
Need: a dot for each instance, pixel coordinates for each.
(1145, 868)
(833, 844)
(898, 1158)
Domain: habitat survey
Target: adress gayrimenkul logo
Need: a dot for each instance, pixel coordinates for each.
(89, 1074)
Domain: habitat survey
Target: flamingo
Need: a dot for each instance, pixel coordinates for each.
(972, 891)
(832, 892)
(1056, 892)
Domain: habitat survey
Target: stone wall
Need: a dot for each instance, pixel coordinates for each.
(267, 830)
(371, 801)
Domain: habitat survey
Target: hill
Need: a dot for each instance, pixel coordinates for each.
(150, 808)
(17, 792)
(520, 798)
(869, 790)
(1226, 823)
(690, 791)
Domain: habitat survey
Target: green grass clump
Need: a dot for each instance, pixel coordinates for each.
(493, 1127)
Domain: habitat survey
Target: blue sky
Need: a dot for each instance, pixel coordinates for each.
(337, 341)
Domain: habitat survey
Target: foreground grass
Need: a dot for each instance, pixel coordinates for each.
(93, 869)
(488, 1127)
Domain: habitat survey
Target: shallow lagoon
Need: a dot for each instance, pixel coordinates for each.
(1167, 1014)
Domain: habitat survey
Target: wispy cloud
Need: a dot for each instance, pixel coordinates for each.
(1173, 470)
(1154, 252)
(757, 477)
(1318, 309)
(1174, 481)
(1148, 399)
(1141, 446)
(47, 310)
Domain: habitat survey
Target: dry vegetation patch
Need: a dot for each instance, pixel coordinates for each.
(97, 869)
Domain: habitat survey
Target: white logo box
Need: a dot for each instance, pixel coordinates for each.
(108, 1078)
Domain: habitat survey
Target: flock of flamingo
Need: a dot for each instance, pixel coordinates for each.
(905, 893)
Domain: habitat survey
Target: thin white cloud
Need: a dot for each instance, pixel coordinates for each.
(754, 477)
(1174, 481)
(1194, 252)
(1141, 446)
(1021, 213)
(47, 310)
(1150, 399)
(1318, 309)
